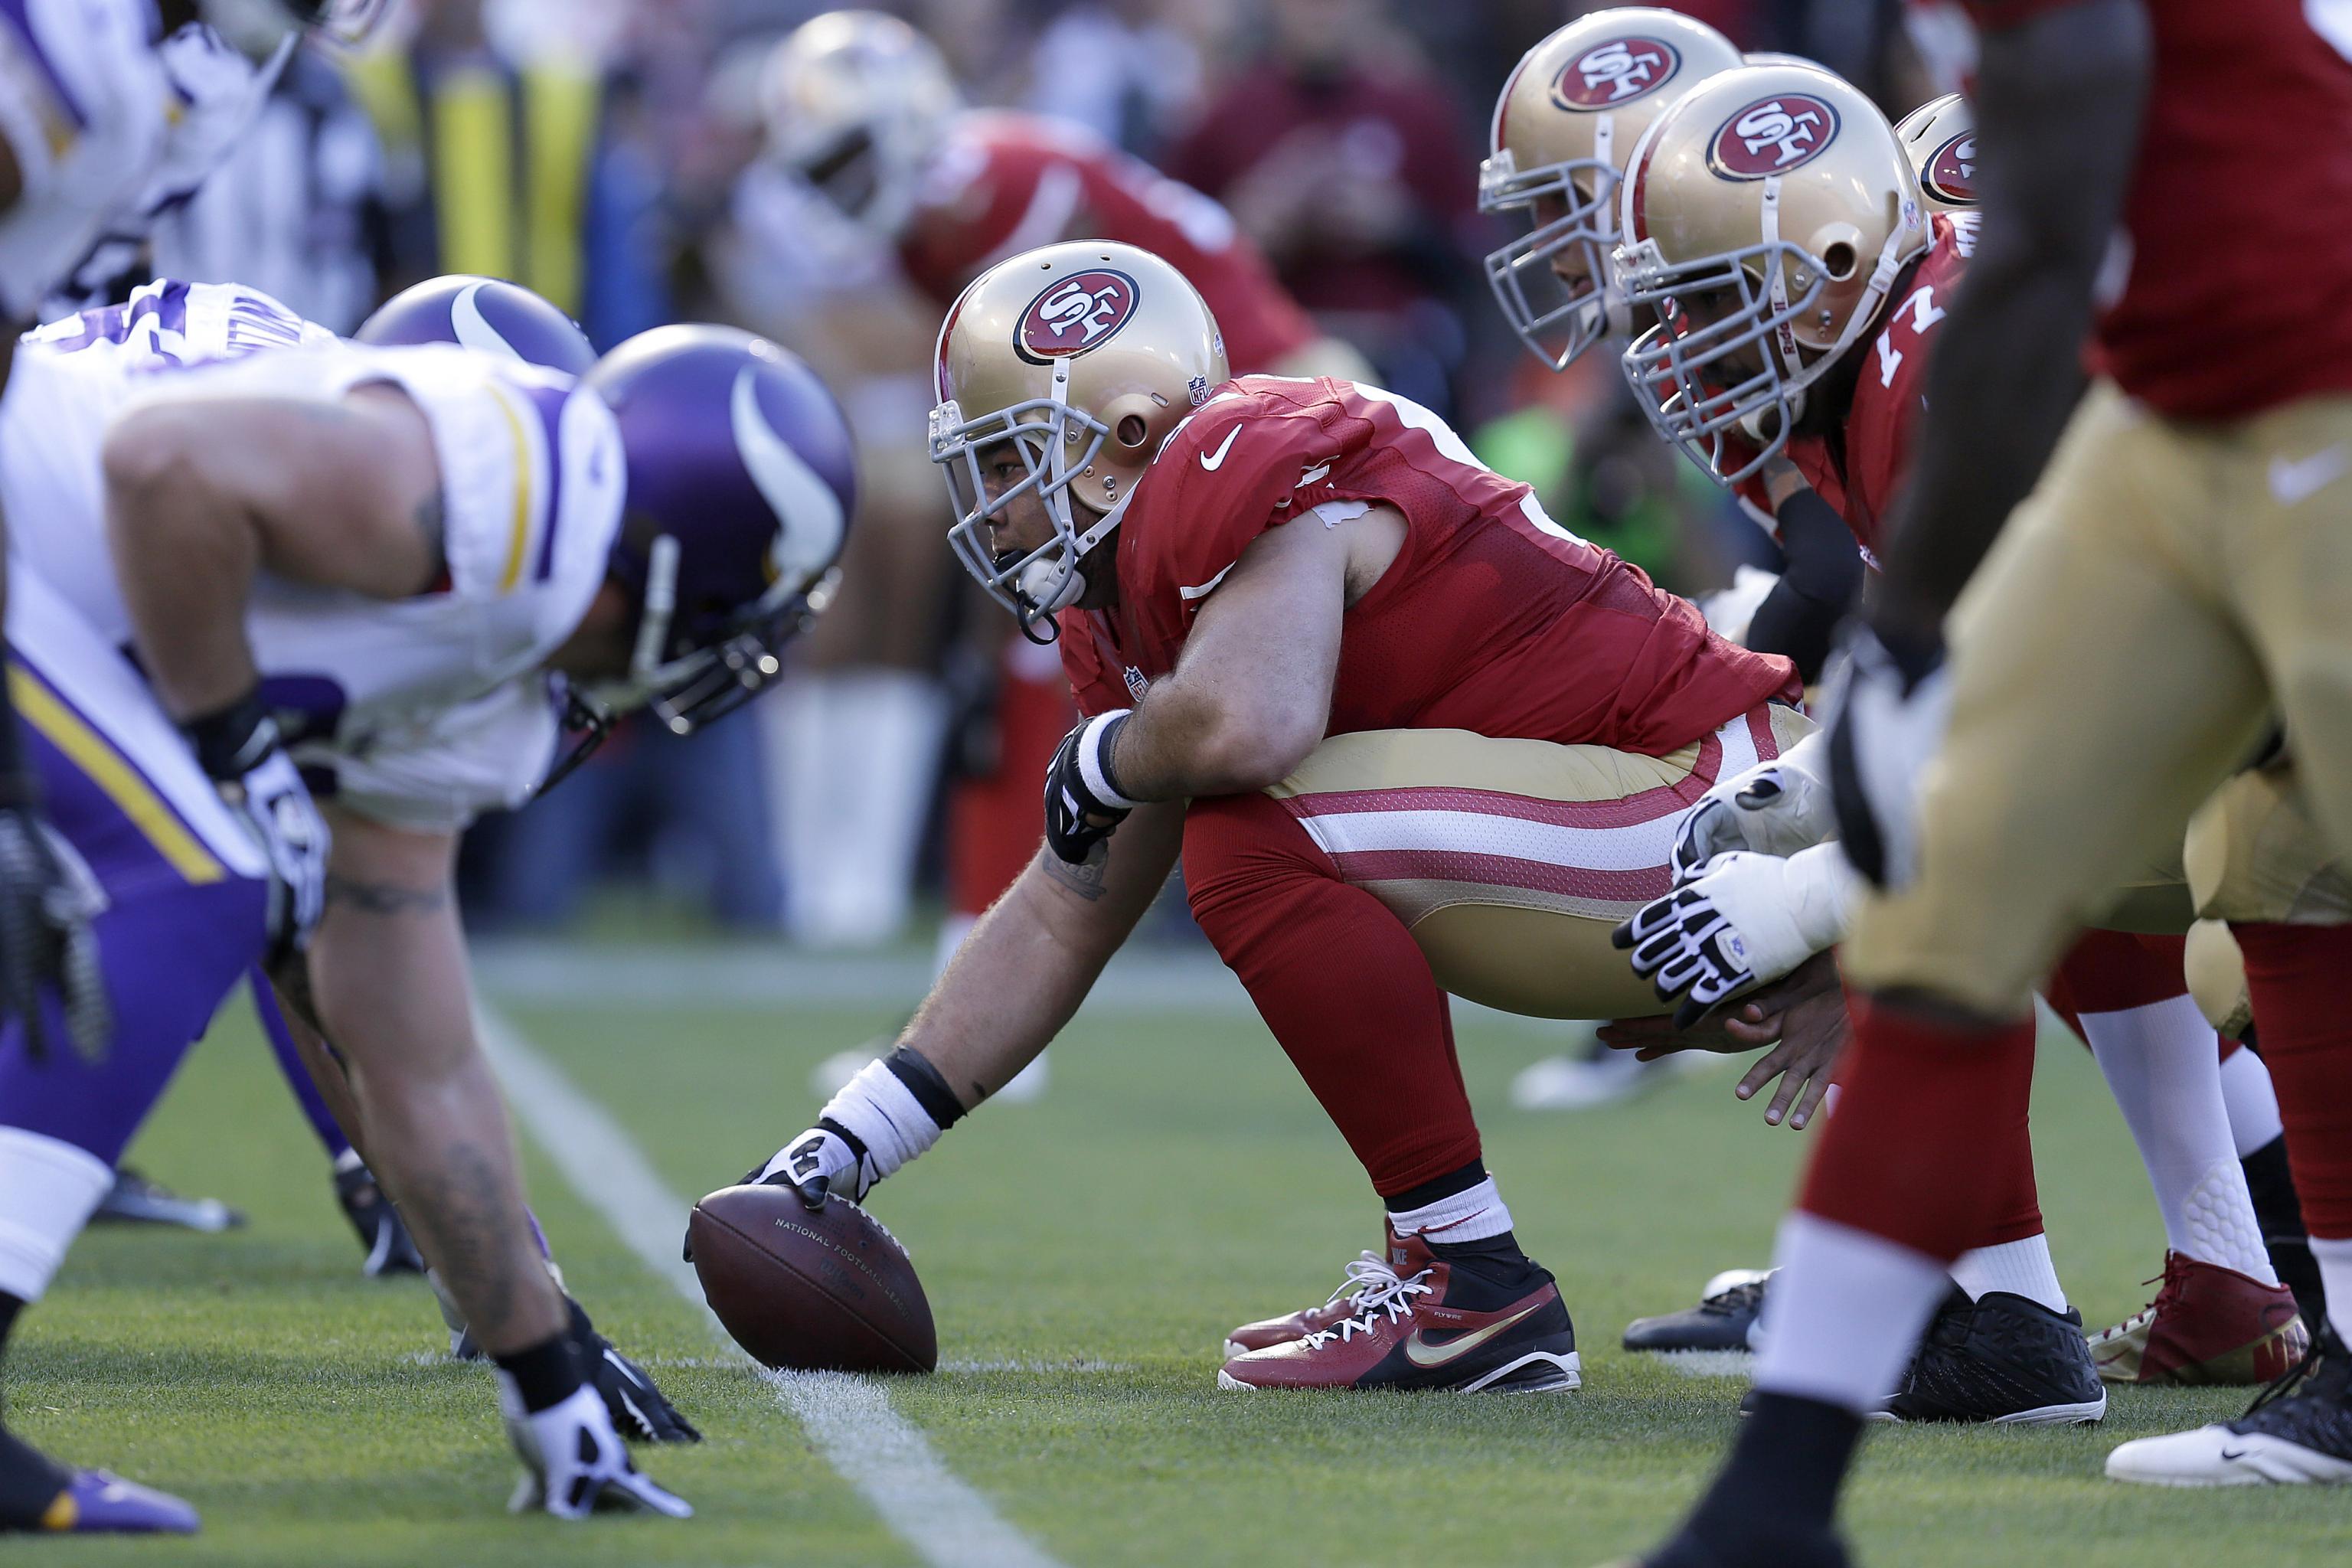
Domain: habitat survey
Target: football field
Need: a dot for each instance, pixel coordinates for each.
(1083, 1255)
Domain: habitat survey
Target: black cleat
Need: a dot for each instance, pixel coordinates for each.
(2297, 1432)
(1720, 1325)
(390, 1248)
(2003, 1361)
(135, 1200)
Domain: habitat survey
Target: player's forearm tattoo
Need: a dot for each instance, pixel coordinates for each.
(384, 898)
(452, 1203)
(1085, 878)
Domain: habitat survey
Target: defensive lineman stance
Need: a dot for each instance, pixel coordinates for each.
(367, 561)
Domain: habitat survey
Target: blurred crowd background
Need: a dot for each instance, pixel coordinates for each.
(602, 150)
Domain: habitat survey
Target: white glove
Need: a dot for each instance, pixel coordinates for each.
(240, 749)
(876, 1123)
(574, 1464)
(1747, 920)
(1885, 721)
(817, 1162)
(1773, 808)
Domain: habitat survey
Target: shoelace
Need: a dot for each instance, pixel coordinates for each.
(1369, 1271)
(1739, 1299)
(2286, 1384)
(1378, 1297)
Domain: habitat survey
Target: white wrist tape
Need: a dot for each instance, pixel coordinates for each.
(1821, 887)
(886, 1117)
(1091, 770)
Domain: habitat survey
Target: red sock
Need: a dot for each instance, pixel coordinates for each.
(2295, 975)
(1339, 981)
(994, 823)
(1921, 1103)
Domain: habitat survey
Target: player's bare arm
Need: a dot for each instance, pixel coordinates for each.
(202, 495)
(1250, 696)
(2059, 99)
(388, 982)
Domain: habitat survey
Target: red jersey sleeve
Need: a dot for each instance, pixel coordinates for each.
(1091, 661)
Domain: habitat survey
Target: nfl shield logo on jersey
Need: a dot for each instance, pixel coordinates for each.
(1136, 684)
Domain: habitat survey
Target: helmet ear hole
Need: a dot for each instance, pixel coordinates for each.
(1132, 430)
(1838, 261)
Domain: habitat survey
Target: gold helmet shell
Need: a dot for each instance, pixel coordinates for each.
(855, 103)
(1766, 217)
(1076, 361)
(1939, 138)
(1564, 125)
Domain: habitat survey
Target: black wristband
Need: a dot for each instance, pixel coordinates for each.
(924, 1082)
(231, 740)
(546, 1374)
(856, 1144)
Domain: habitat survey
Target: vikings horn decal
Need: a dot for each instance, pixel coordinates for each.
(1073, 314)
(473, 329)
(1773, 136)
(1952, 172)
(808, 513)
(1619, 71)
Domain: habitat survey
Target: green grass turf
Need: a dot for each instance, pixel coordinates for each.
(1083, 1255)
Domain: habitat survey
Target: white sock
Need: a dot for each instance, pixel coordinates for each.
(858, 752)
(48, 1189)
(1848, 1307)
(2162, 1063)
(1471, 1215)
(2335, 1258)
(2252, 1103)
(2021, 1267)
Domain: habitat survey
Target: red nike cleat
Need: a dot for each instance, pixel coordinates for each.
(1415, 1329)
(1368, 1272)
(2207, 1325)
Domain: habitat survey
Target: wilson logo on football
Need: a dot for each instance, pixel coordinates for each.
(1073, 314)
(1773, 135)
(1619, 71)
(1952, 172)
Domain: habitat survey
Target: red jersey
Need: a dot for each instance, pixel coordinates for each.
(1005, 182)
(2240, 292)
(1860, 468)
(1493, 619)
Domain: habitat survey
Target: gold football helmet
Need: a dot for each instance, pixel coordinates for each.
(1565, 122)
(1061, 371)
(1765, 218)
(1939, 138)
(855, 102)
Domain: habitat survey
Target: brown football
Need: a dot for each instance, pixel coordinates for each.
(829, 1291)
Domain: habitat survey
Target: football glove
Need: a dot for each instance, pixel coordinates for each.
(1083, 806)
(47, 898)
(1749, 919)
(1887, 714)
(1773, 808)
(639, 1410)
(889, 1113)
(574, 1464)
(241, 751)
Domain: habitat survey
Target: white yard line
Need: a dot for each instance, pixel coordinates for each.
(849, 1419)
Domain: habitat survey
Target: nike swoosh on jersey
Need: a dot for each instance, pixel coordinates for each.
(2292, 483)
(1213, 463)
(1421, 1352)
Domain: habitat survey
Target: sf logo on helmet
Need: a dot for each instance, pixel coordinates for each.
(1952, 172)
(1074, 313)
(1773, 136)
(1619, 70)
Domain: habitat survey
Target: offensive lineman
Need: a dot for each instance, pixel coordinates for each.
(1322, 650)
(365, 560)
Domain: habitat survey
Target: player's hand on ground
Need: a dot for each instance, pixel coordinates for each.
(241, 751)
(1083, 806)
(1887, 714)
(45, 937)
(1773, 808)
(640, 1411)
(574, 1463)
(1747, 920)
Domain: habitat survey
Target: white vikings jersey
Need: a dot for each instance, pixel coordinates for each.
(83, 106)
(423, 712)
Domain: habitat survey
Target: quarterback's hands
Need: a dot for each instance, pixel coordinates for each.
(1773, 808)
(241, 751)
(1083, 806)
(1746, 919)
(1887, 713)
(574, 1463)
(1801, 1017)
(44, 936)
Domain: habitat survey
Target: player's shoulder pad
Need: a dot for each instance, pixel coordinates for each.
(1222, 476)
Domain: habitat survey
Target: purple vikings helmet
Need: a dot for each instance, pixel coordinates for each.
(741, 482)
(481, 313)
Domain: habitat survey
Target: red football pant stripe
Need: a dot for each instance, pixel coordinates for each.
(1341, 984)
(1930, 1147)
(2296, 976)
